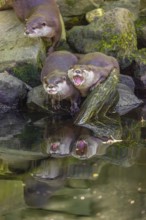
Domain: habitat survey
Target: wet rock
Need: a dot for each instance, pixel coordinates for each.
(12, 92)
(38, 101)
(113, 34)
(18, 140)
(20, 55)
(11, 124)
(127, 99)
(140, 69)
(127, 80)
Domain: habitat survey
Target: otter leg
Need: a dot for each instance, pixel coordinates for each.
(75, 102)
(55, 104)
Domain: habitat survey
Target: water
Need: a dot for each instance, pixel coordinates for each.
(53, 170)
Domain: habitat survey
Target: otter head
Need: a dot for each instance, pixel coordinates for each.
(55, 85)
(81, 76)
(37, 27)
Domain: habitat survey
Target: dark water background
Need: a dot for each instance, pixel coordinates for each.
(41, 180)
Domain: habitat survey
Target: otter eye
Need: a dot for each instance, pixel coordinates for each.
(57, 82)
(43, 24)
(33, 28)
(77, 71)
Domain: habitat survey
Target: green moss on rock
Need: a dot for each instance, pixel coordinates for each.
(113, 34)
(28, 73)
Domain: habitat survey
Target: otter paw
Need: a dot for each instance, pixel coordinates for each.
(74, 108)
(56, 106)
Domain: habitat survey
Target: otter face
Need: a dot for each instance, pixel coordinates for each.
(81, 76)
(55, 85)
(85, 147)
(37, 27)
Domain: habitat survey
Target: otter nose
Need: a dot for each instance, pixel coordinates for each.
(50, 86)
(26, 32)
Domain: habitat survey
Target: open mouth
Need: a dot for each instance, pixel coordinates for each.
(78, 80)
(81, 147)
(51, 91)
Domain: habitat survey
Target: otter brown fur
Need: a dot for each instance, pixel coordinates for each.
(56, 82)
(91, 70)
(42, 19)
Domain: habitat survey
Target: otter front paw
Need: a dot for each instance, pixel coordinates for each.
(56, 105)
(74, 108)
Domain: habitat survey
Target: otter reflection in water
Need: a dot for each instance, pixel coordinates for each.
(87, 146)
(65, 139)
(58, 138)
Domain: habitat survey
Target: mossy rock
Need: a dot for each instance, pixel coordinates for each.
(140, 25)
(113, 34)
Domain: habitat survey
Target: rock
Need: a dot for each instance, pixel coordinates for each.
(140, 26)
(5, 4)
(113, 34)
(20, 55)
(38, 101)
(15, 129)
(127, 100)
(132, 5)
(94, 14)
(73, 8)
(128, 81)
(140, 69)
(12, 92)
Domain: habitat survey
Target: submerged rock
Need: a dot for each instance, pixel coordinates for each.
(113, 34)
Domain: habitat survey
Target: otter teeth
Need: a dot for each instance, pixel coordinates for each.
(78, 80)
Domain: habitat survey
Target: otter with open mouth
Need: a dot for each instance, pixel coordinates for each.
(42, 19)
(91, 70)
(56, 82)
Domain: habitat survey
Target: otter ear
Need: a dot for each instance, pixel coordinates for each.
(71, 67)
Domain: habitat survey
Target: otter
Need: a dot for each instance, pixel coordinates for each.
(87, 145)
(91, 70)
(42, 19)
(58, 138)
(56, 82)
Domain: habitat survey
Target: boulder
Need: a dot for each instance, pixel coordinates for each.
(132, 5)
(20, 55)
(140, 25)
(12, 92)
(140, 69)
(127, 99)
(113, 34)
